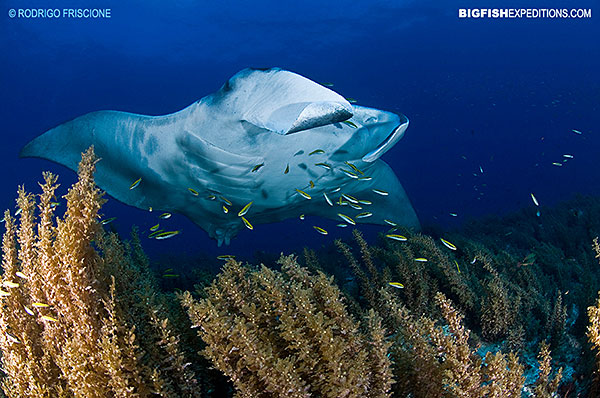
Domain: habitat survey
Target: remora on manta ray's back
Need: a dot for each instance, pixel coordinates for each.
(298, 130)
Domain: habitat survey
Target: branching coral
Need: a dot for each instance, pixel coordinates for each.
(593, 329)
(545, 387)
(73, 302)
(288, 334)
(438, 361)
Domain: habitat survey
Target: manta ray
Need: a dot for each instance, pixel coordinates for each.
(268, 146)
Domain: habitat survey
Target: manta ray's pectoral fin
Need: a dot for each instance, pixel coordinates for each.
(284, 102)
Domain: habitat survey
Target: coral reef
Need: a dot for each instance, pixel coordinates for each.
(288, 334)
(430, 358)
(593, 330)
(80, 315)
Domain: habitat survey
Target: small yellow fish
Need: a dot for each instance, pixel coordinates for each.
(329, 202)
(303, 194)
(287, 169)
(193, 191)
(354, 206)
(225, 200)
(154, 227)
(49, 318)
(164, 216)
(326, 166)
(557, 164)
(170, 276)
(320, 230)
(364, 215)
(365, 178)
(40, 305)
(135, 183)
(166, 235)
(568, 156)
(577, 132)
(347, 219)
(225, 209)
(312, 184)
(247, 223)
(316, 152)
(380, 192)
(354, 167)
(327, 84)
(301, 216)
(168, 270)
(225, 257)
(28, 310)
(456, 262)
(54, 204)
(158, 231)
(421, 259)
(535, 201)
(351, 100)
(448, 244)
(349, 123)
(18, 212)
(336, 190)
(245, 209)
(454, 214)
(349, 173)
(342, 225)
(399, 238)
(3, 293)
(390, 222)
(350, 199)
(21, 275)
(211, 197)
(397, 285)
(10, 284)
(108, 220)
(365, 202)
(257, 167)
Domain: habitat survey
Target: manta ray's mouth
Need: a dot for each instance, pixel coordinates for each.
(389, 142)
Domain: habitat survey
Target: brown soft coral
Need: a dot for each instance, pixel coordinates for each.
(68, 313)
(288, 334)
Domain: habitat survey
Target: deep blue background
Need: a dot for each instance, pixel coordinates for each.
(504, 94)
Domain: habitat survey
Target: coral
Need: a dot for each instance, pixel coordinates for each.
(556, 325)
(75, 318)
(498, 311)
(81, 313)
(432, 360)
(433, 352)
(288, 334)
(593, 334)
(593, 329)
(544, 386)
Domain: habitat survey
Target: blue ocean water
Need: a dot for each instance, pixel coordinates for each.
(492, 102)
